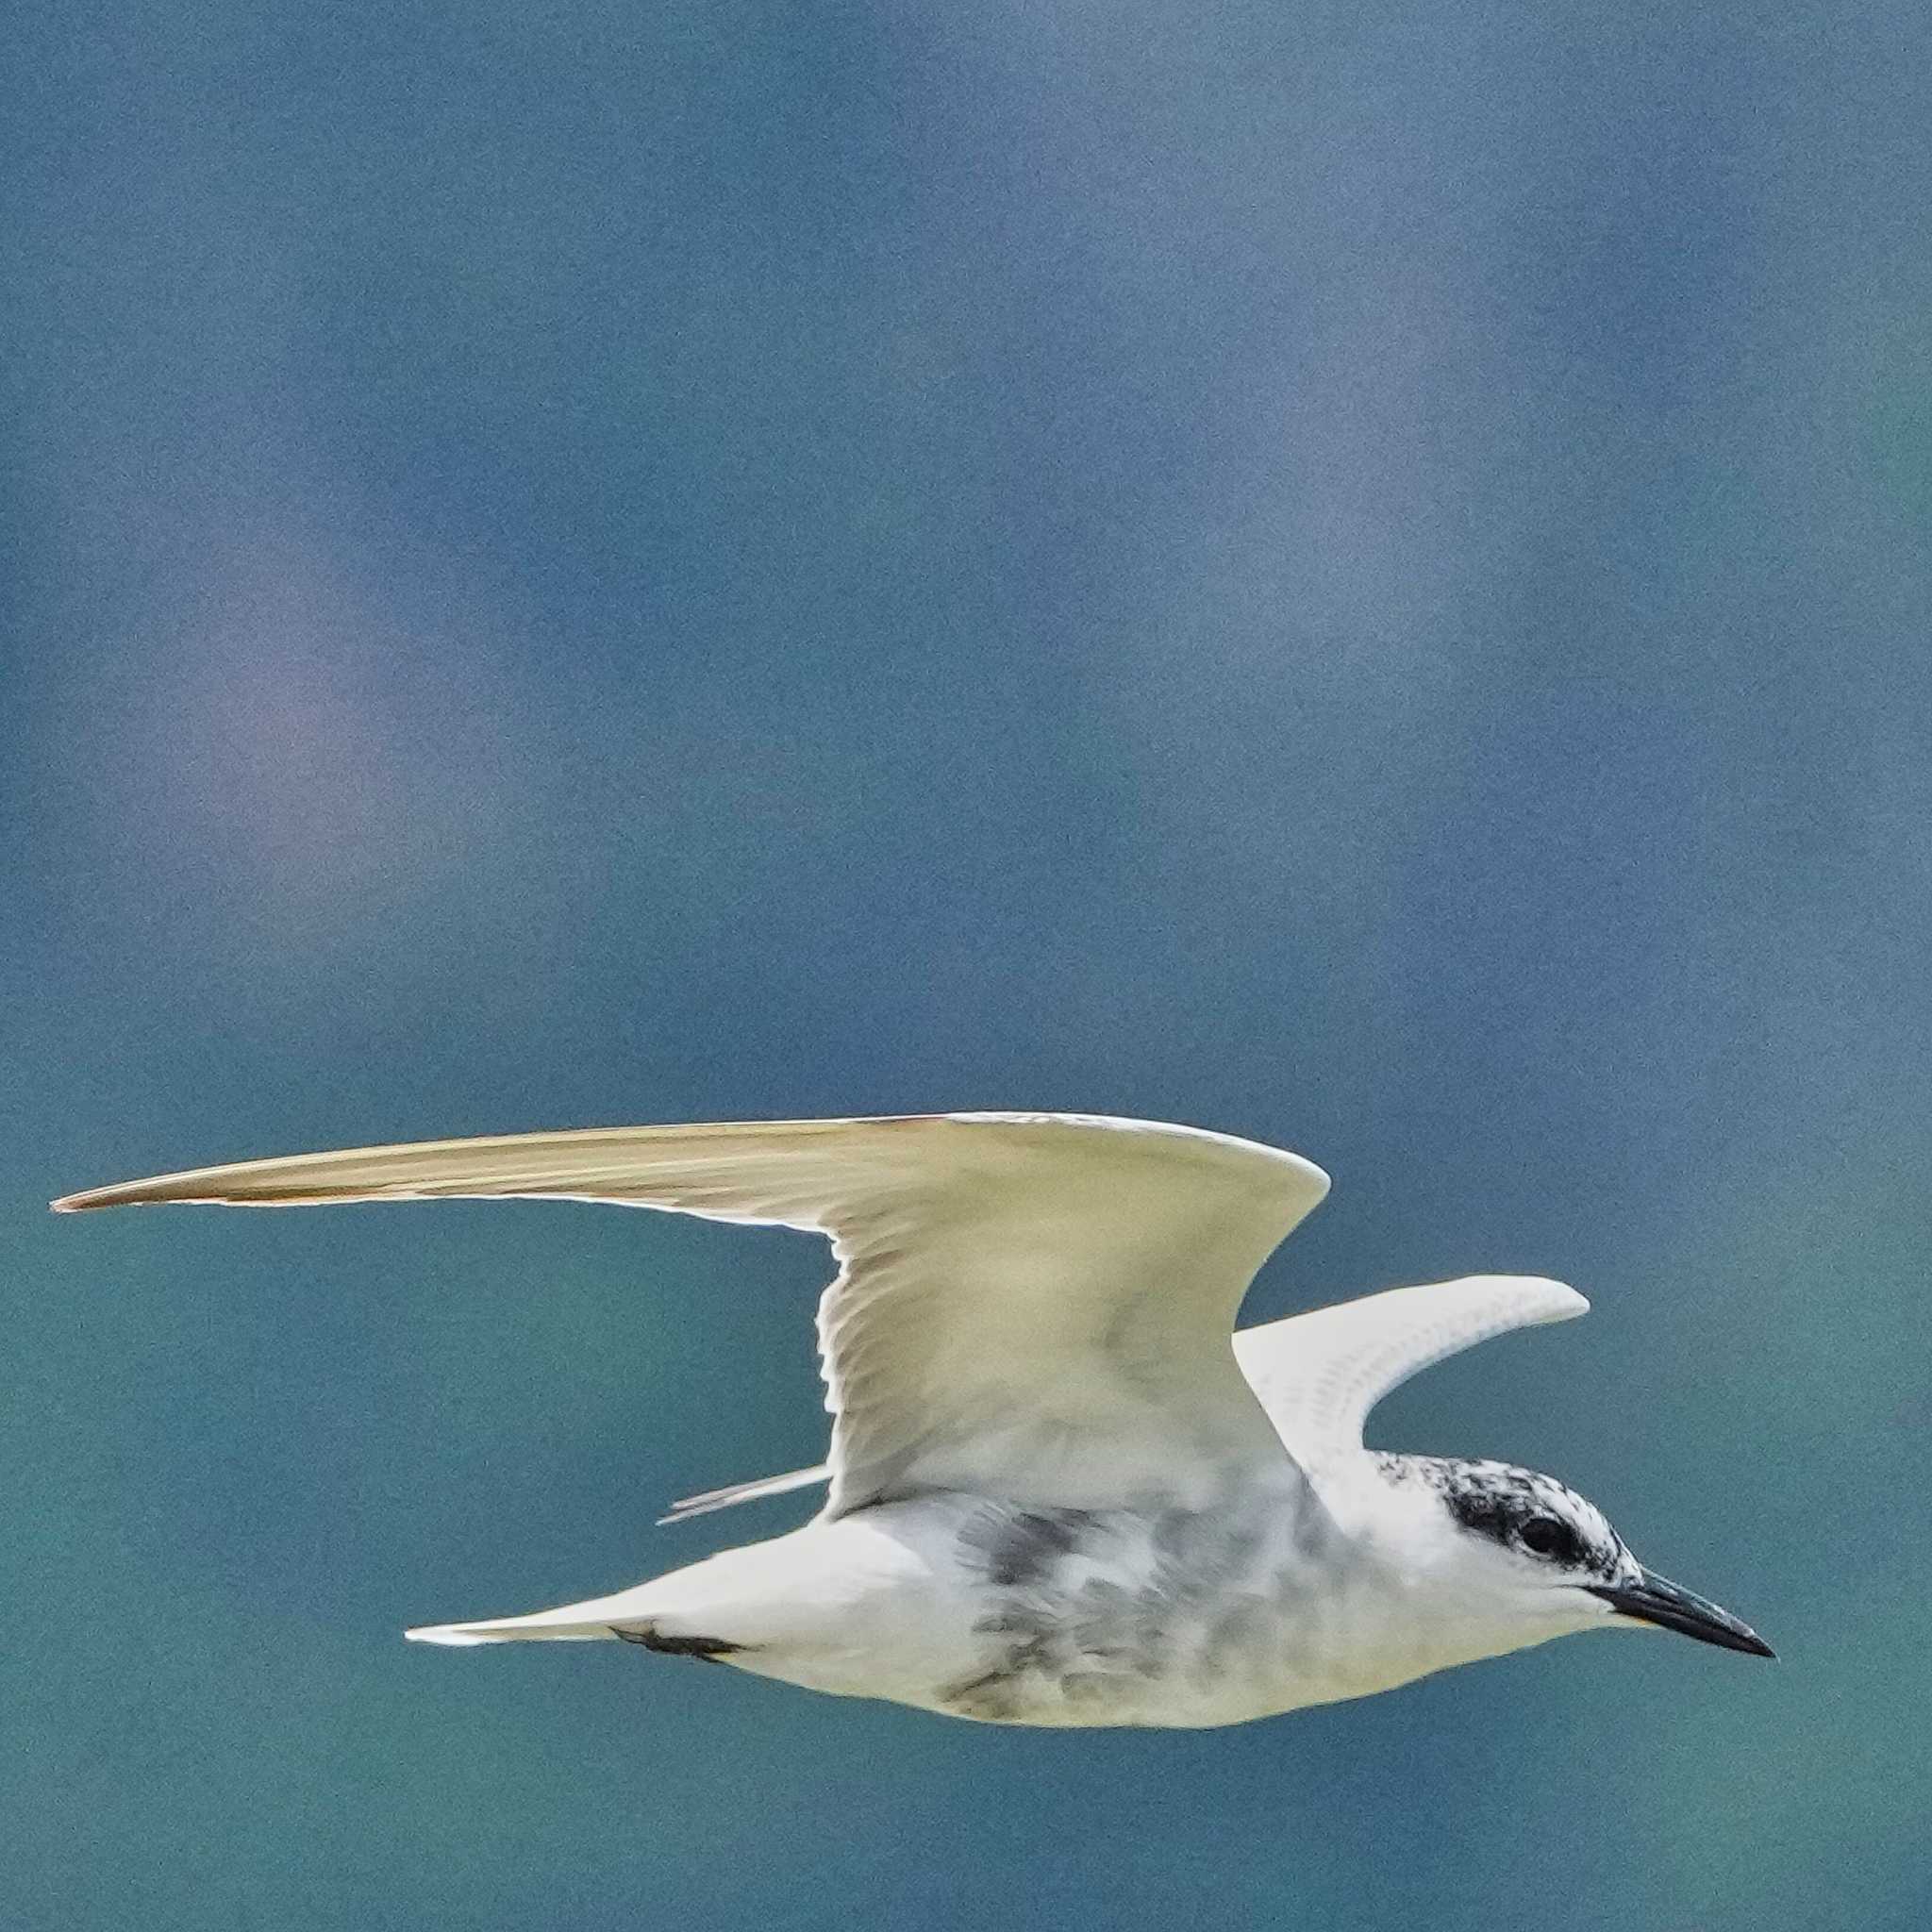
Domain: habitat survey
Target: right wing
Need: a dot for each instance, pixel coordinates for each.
(1038, 1306)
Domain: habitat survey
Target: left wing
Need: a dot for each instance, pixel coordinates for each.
(1319, 1375)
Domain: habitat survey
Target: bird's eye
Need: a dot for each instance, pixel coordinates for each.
(1546, 1536)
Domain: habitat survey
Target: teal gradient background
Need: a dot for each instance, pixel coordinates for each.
(1360, 576)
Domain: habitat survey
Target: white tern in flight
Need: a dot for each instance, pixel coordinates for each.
(1063, 1491)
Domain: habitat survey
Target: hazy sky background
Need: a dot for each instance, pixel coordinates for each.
(1355, 575)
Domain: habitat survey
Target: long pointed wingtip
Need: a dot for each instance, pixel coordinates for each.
(206, 1187)
(118, 1194)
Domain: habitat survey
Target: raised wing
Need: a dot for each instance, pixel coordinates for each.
(1036, 1304)
(1319, 1375)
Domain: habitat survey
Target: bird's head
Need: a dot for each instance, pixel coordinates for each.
(1520, 1551)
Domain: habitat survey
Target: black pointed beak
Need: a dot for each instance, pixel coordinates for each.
(1655, 1599)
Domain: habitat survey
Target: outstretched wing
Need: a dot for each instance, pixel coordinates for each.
(1319, 1375)
(1036, 1304)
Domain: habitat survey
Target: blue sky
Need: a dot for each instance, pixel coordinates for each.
(1359, 577)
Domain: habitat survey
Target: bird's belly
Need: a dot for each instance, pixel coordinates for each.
(1013, 1615)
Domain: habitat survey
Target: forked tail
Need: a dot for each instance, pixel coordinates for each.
(625, 1614)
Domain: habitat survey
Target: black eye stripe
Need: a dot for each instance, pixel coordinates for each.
(1500, 1501)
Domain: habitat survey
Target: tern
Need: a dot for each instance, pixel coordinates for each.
(1063, 1490)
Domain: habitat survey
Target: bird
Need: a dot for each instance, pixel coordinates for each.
(1062, 1490)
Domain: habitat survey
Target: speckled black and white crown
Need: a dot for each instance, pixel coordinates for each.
(1520, 1509)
